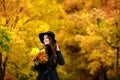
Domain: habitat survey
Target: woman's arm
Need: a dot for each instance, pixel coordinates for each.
(39, 66)
(60, 58)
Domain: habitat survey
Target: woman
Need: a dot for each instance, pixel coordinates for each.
(47, 71)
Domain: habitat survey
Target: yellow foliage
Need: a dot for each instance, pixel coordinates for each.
(38, 54)
(96, 66)
(34, 52)
(42, 56)
(110, 73)
(77, 25)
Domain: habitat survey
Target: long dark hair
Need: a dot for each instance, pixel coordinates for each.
(52, 48)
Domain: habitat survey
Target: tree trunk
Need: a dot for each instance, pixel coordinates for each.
(117, 63)
(104, 75)
(96, 77)
(2, 67)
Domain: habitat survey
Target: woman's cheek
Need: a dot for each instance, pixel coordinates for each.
(46, 42)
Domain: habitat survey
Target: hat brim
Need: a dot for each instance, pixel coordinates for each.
(41, 35)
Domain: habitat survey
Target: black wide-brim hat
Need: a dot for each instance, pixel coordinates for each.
(49, 33)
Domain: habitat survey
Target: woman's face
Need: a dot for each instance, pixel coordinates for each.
(46, 40)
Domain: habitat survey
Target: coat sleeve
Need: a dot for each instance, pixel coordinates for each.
(39, 66)
(36, 65)
(60, 58)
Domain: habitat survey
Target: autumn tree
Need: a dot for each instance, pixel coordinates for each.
(4, 50)
(88, 36)
(25, 19)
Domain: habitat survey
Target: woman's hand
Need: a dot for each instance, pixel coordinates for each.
(58, 49)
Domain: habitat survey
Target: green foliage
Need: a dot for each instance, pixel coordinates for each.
(5, 40)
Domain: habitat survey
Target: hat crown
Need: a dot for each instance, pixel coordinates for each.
(49, 33)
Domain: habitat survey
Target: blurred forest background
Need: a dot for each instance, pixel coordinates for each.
(87, 31)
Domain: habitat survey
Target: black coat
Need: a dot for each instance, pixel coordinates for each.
(48, 71)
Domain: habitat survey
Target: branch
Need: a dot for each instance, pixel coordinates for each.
(108, 41)
(32, 18)
(7, 22)
(17, 18)
(4, 7)
(15, 22)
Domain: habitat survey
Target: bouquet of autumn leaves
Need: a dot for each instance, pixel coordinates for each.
(39, 54)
